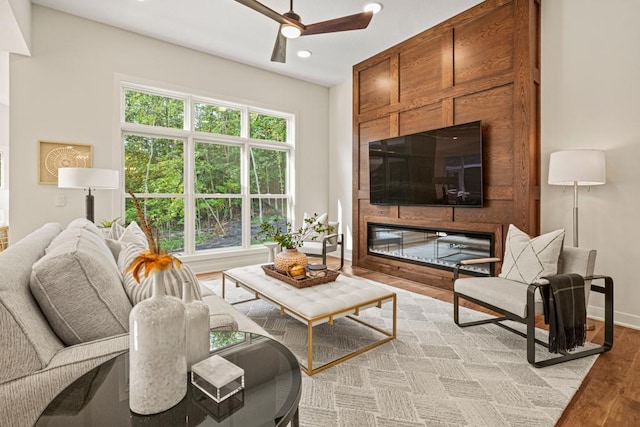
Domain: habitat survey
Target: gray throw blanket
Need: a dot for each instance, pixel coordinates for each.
(565, 311)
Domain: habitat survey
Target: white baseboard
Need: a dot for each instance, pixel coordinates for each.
(621, 319)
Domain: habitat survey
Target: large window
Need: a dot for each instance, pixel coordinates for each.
(207, 172)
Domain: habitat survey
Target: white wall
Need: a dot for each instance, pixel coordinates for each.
(341, 160)
(15, 26)
(591, 99)
(65, 92)
(4, 133)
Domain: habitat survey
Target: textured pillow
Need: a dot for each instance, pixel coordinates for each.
(116, 231)
(134, 234)
(527, 259)
(308, 234)
(115, 247)
(173, 278)
(85, 224)
(78, 288)
(78, 223)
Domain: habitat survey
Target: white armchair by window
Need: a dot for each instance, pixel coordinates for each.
(321, 245)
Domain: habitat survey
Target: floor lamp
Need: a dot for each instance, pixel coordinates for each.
(577, 168)
(90, 179)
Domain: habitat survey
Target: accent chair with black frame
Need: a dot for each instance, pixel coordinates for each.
(520, 302)
(320, 245)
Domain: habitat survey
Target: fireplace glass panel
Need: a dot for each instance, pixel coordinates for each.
(435, 248)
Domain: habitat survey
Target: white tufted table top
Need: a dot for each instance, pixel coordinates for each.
(338, 298)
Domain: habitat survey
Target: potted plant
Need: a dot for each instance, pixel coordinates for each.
(290, 240)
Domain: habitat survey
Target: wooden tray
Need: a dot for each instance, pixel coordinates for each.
(270, 270)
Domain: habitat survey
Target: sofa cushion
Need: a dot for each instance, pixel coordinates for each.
(527, 259)
(79, 289)
(85, 224)
(27, 341)
(173, 277)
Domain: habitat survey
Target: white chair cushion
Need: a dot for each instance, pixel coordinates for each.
(527, 259)
(502, 293)
(315, 248)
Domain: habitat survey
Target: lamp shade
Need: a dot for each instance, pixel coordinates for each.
(582, 167)
(92, 178)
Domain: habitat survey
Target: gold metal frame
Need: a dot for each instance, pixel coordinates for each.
(328, 317)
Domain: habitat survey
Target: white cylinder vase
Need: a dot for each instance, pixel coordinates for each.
(157, 356)
(197, 326)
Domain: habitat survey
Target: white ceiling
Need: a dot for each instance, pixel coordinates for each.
(228, 29)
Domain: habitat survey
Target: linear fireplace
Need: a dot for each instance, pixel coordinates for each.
(438, 248)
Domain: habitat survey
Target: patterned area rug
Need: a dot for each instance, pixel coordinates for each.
(433, 374)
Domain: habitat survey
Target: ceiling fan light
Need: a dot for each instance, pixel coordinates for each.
(290, 31)
(373, 7)
(304, 53)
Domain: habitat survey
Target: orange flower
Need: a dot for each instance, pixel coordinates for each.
(149, 261)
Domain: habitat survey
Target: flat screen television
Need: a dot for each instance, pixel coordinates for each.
(440, 167)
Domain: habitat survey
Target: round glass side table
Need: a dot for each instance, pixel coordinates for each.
(270, 397)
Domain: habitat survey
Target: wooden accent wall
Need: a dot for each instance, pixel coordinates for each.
(483, 64)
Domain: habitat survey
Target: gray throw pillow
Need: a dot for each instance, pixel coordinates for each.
(78, 288)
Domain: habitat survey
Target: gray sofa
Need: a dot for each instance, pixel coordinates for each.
(35, 364)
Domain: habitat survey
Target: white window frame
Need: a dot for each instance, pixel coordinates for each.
(189, 138)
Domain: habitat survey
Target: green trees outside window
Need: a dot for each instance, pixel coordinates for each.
(196, 177)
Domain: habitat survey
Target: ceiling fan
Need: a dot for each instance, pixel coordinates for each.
(291, 25)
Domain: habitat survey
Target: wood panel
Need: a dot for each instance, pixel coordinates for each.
(375, 86)
(420, 69)
(483, 64)
(484, 46)
(421, 119)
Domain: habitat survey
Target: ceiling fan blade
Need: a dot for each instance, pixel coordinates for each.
(259, 7)
(357, 21)
(280, 49)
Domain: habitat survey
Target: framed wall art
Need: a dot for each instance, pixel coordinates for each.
(54, 155)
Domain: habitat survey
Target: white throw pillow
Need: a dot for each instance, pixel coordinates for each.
(173, 277)
(134, 234)
(308, 234)
(527, 259)
(115, 232)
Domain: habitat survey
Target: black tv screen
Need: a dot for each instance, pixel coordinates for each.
(441, 167)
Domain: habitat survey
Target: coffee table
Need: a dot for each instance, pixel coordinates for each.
(270, 398)
(345, 297)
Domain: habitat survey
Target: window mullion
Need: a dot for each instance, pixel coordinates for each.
(245, 180)
(189, 198)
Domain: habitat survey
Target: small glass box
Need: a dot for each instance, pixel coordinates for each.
(217, 378)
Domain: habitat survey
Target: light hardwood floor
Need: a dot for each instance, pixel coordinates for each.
(609, 395)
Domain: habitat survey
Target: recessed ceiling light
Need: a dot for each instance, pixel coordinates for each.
(304, 53)
(373, 7)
